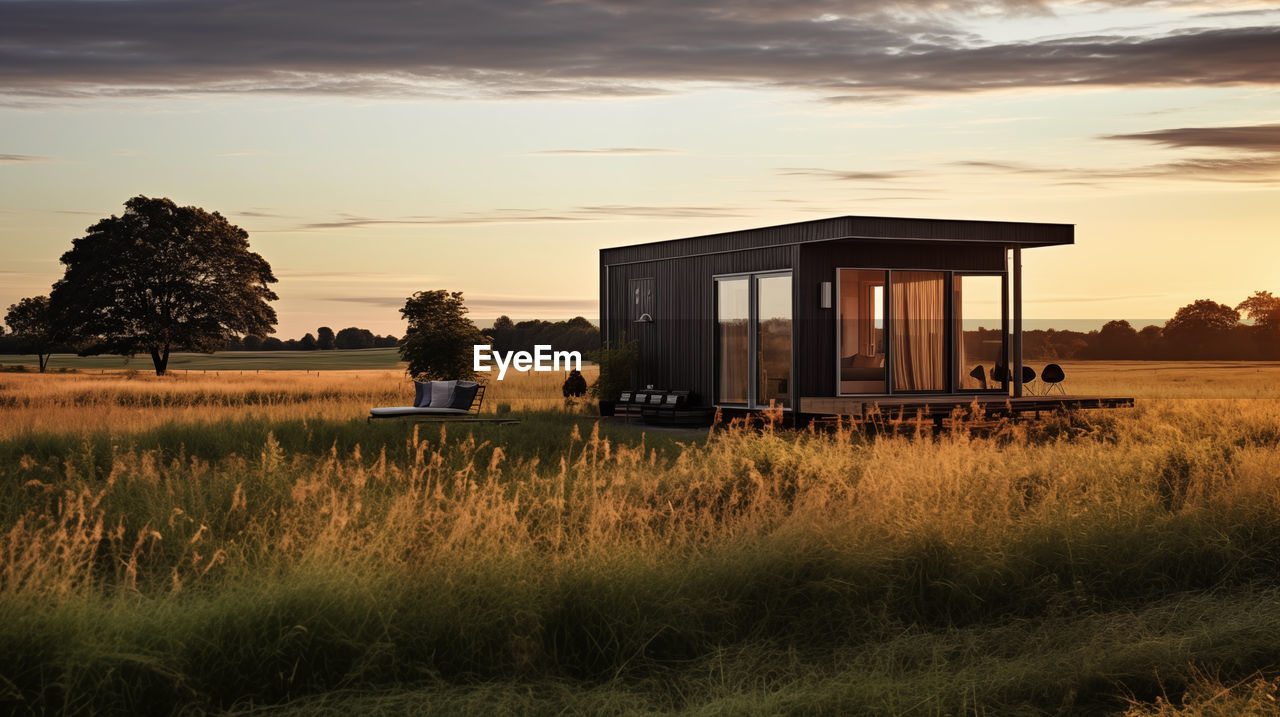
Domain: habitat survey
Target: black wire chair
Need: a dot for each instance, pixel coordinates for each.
(1028, 376)
(1053, 376)
(980, 372)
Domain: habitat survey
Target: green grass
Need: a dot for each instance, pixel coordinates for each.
(226, 361)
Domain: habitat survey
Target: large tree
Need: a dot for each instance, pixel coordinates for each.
(1199, 329)
(438, 344)
(324, 338)
(1263, 310)
(354, 338)
(161, 277)
(32, 323)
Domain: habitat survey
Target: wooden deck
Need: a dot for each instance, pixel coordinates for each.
(941, 406)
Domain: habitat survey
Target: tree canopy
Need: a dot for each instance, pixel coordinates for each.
(353, 337)
(1262, 309)
(32, 323)
(438, 344)
(324, 338)
(161, 277)
(1198, 325)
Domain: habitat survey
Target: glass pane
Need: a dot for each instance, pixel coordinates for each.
(773, 340)
(919, 330)
(862, 344)
(732, 334)
(978, 323)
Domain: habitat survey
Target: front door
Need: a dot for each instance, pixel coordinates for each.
(753, 340)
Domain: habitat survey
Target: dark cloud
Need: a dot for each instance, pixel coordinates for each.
(866, 50)
(23, 158)
(844, 175)
(1257, 162)
(1257, 138)
(1263, 169)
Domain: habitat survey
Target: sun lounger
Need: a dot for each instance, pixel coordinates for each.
(442, 401)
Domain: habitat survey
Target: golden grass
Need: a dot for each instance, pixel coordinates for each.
(594, 554)
(124, 402)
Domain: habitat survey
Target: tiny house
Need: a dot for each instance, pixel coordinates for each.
(831, 316)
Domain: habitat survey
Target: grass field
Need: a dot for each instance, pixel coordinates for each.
(224, 361)
(246, 543)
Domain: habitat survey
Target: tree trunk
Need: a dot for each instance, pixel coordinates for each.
(44, 360)
(160, 359)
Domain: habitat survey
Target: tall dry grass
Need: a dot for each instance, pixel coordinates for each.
(1079, 560)
(125, 402)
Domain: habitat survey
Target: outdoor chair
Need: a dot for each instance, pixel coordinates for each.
(980, 373)
(1053, 376)
(442, 401)
(1028, 376)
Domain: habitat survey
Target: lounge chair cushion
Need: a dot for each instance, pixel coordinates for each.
(464, 394)
(416, 411)
(422, 393)
(442, 394)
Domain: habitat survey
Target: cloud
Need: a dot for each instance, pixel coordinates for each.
(844, 175)
(867, 51)
(1007, 167)
(657, 212)
(610, 151)
(586, 213)
(1256, 158)
(23, 158)
(1256, 138)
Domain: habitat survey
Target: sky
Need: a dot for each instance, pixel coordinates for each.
(376, 148)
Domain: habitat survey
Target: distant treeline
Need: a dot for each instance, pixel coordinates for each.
(1201, 330)
(576, 334)
(324, 339)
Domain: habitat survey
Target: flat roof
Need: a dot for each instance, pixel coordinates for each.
(877, 229)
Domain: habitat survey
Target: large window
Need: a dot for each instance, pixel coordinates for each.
(753, 340)
(733, 337)
(978, 311)
(862, 335)
(773, 340)
(904, 331)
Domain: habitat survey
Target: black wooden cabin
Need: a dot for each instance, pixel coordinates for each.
(829, 316)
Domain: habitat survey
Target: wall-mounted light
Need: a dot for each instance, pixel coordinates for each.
(824, 295)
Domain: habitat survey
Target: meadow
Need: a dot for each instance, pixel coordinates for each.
(247, 544)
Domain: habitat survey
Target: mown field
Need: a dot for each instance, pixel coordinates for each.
(246, 543)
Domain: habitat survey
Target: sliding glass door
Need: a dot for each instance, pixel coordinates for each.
(753, 340)
(978, 320)
(916, 331)
(733, 339)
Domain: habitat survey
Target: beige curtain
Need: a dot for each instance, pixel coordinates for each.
(733, 361)
(918, 330)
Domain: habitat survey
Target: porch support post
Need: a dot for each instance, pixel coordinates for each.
(1017, 320)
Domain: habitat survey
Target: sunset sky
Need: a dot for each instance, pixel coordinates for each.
(376, 148)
